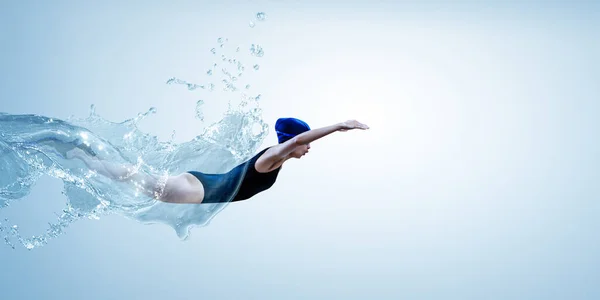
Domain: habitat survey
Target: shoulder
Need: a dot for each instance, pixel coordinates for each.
(268, 160)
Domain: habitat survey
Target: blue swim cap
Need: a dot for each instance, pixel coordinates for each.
(288, 128)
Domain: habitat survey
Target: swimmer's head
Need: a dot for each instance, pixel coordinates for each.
(288, 128)
(300, 151)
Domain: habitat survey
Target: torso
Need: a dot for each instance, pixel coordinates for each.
(186, 188)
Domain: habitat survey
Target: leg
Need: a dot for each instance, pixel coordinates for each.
(62, 145)
(149, 184)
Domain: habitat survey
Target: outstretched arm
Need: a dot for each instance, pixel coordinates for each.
(315, 134)
(307, 137)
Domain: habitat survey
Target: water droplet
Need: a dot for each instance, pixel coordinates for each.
(258, 97)
(222, 45)
(152, 110)
(251, 24)
(211, 87)
(213, 50)
(199, 113)
(261, 16)
(209, 72)
(256, 50)
(193, 86)
(220, 40)
(247, 86)
(7, 241)
(256, 67)
(237, 49)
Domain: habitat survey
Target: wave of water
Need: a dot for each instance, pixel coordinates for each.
(30, 147)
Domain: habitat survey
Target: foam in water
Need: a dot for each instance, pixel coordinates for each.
(32, 146)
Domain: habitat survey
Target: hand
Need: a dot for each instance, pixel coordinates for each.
(352, 124)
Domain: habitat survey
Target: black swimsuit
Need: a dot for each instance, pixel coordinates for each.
(243, 180)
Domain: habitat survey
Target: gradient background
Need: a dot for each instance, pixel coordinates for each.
(478, 179)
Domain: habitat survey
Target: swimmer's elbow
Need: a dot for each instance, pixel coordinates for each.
(284, 149)
(299, 140)
(295, 141)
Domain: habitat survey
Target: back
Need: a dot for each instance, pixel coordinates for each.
(255, 182)
(219, 187)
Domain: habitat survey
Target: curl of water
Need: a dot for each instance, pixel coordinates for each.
(190, 86)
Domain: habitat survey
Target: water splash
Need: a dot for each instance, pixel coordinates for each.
(218, 149)
(32, 146)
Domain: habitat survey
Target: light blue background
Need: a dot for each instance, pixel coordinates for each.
(478, 179)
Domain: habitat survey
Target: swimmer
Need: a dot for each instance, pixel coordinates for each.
(193, 187)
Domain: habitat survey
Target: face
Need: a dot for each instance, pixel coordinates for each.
(300, 151)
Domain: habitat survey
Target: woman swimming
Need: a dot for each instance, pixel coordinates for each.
(249, 178)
